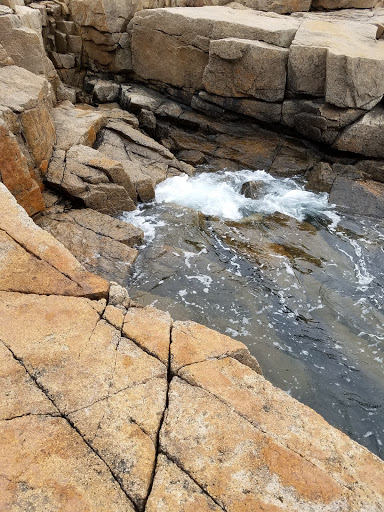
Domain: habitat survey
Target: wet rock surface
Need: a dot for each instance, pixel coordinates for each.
(102, 244)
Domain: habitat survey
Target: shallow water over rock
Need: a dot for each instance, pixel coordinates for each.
(304, 294)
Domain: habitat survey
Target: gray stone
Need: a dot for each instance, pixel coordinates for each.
(106, 92)
(363, 197)
(365, 136)
(244, 68)
(147, 120)
(260, 110)
(253, 189)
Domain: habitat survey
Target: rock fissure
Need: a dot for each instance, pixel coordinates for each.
(106, 397)
(157, 444)
(143, 348)
(257, 427)
(51, 415)
(72, 425)
(177, 463)
(25, 247)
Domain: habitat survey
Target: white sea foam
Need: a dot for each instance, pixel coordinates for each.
(147, 223)
(218, 194)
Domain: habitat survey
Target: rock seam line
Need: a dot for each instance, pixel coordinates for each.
(345, 486)
(157, 444)
(179, 465)
(40, 258)
(71, 424)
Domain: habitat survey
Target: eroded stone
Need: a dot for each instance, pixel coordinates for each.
(151, 329)
(192, 343)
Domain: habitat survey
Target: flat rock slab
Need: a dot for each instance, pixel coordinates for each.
(111, 392)
(75, 125)
(193, 343)
(101, 243)
(150, 329)
(174, 490)
(35, 262)
(46, 466)
(291, 424)
(243, 468)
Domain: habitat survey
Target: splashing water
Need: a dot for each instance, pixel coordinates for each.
(219, 195)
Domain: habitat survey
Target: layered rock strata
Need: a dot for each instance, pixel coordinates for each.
(317, 73)
(115, 409)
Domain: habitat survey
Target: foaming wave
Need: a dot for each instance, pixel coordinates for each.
(218, 194)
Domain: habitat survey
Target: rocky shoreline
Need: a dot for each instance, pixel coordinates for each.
(110, 406)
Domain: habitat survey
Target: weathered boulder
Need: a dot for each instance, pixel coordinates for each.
(16, 37)
(320, 178)
(76, 125)
(15, 175)
(35, 262)
(88, 177)
(365, 136)
(146, 162)
(185, 40)
(364, 197)
(105, 91)
(339, 59)
(102, 244)
(239, 67)
(28, 97)
(318, 120)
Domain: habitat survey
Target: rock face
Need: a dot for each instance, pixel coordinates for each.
(104, 245)
(32, 261)
(261, 65)
(27, 134)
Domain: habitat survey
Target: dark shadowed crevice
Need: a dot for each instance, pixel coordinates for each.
(157, 444)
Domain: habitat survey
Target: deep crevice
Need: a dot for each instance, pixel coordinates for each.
(157, 444)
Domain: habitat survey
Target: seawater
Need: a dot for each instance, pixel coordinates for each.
(296, 281)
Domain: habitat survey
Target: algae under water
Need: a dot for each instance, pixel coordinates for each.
(296, 281)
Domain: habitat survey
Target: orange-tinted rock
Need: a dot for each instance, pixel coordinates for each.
(15, 174)
(42, 251)
(292, 424)
(47, 466)
(123, 429)
(174, 490)
(239, 466)
(18, 393)
(192, 343)
(112, 391)
(114, 316)
(149, 328)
